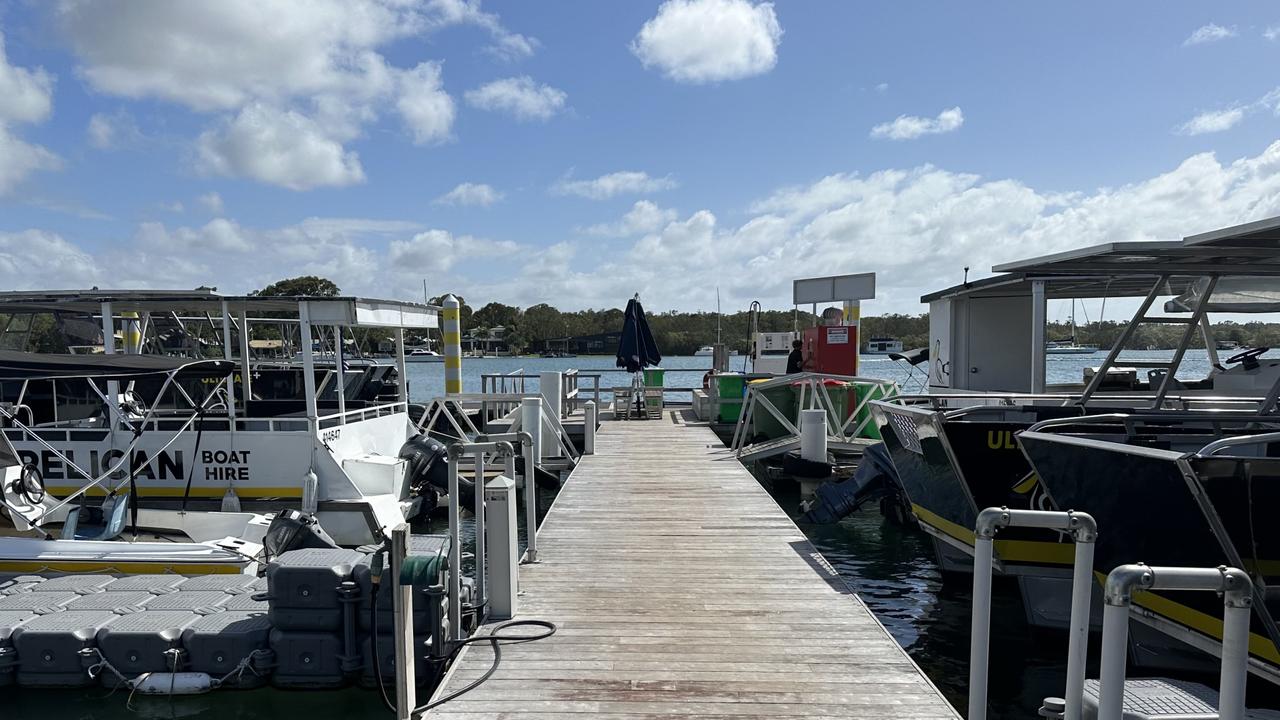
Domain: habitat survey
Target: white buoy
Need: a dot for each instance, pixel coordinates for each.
(310, 490)
(452, 334)
(813, 435)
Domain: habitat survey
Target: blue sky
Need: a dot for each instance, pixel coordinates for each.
(577, 152)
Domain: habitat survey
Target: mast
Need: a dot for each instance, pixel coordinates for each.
(717, 314)
(1073, 323)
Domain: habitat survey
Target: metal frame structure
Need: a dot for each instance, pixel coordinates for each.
(478, 451)
(1237, 599)
(843, 433)
(1084, 531)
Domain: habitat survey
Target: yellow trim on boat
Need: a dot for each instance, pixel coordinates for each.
(1209, 625)
(197, 492)
(122, 568)
(1021, 551)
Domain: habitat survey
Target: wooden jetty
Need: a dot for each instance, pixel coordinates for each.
(681, 589)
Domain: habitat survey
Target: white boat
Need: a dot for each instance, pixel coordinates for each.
(1066, 347)
(210, 447)
(882, 346)
(423, 355)
(709, 350)
(1070, 347)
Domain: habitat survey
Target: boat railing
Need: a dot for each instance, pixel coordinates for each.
(573, 385)
(1214, 418)
(361, 414)
(845, 424)
(978, 402)
(1218, 446)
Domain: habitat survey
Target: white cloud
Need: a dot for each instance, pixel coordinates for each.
(1212, 122)
(927, 224)
(280, 147)
(38, 259)
(506, 45)
(426, 108)
(110, 131)
(521, 96)
(1209, 33)
(212, 202)
(917, 227)
(643, 217)
(625, 182)
(705, 41)
(1272, 32)
(323, 63)
(223, 55)
(882, 88)
(469, 194)
(909, 127)
(26, 96)
(27, 93)
(18, 159)
(438, 250)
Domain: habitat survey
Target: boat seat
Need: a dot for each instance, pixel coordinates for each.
(113, 517)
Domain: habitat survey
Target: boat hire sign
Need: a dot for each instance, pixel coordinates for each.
(252, 463)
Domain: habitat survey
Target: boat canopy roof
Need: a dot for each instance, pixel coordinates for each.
(50, 366)
(1249, 252)
(342, 310)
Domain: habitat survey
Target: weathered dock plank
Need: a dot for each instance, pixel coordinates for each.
(681, 589)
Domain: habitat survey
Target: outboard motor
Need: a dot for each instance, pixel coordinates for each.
(427, 469)
(294, 530)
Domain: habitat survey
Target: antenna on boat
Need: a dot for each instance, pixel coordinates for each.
(966, 276)
(717, 314)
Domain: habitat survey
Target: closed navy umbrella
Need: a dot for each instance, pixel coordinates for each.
(636, 348)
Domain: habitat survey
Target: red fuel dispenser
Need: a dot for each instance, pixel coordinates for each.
(832, 349)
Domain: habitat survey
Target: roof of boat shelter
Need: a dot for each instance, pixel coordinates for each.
(35, 366)
(1126, 269)
(337, 310)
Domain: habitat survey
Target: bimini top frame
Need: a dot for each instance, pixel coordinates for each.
(344, 310)
(1233, 262)
(121, 309)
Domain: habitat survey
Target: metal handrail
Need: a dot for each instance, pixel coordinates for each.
(1217, 445)
(1208, 415)
(378, 411)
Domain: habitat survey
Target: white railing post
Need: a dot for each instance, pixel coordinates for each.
(1083, 530)
(499, 495)
(402, 605)
(531, 423)
(980, 626)
(478, 511)
(1237, 598)
(589, 428)
(455, 546)
(813, 435)
(548, 390)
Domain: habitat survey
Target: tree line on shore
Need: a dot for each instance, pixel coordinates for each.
(540, 326)
(681, 333)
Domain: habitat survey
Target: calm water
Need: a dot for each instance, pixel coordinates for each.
(890, 567)
(426, 380)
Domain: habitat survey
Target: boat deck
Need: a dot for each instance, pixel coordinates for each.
(681, 589)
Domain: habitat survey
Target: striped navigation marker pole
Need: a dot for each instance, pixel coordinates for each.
(452, 346)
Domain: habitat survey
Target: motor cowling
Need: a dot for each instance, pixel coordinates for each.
(427, 469)
(294, 530)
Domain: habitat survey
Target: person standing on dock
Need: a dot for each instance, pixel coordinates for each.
(795, 360)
